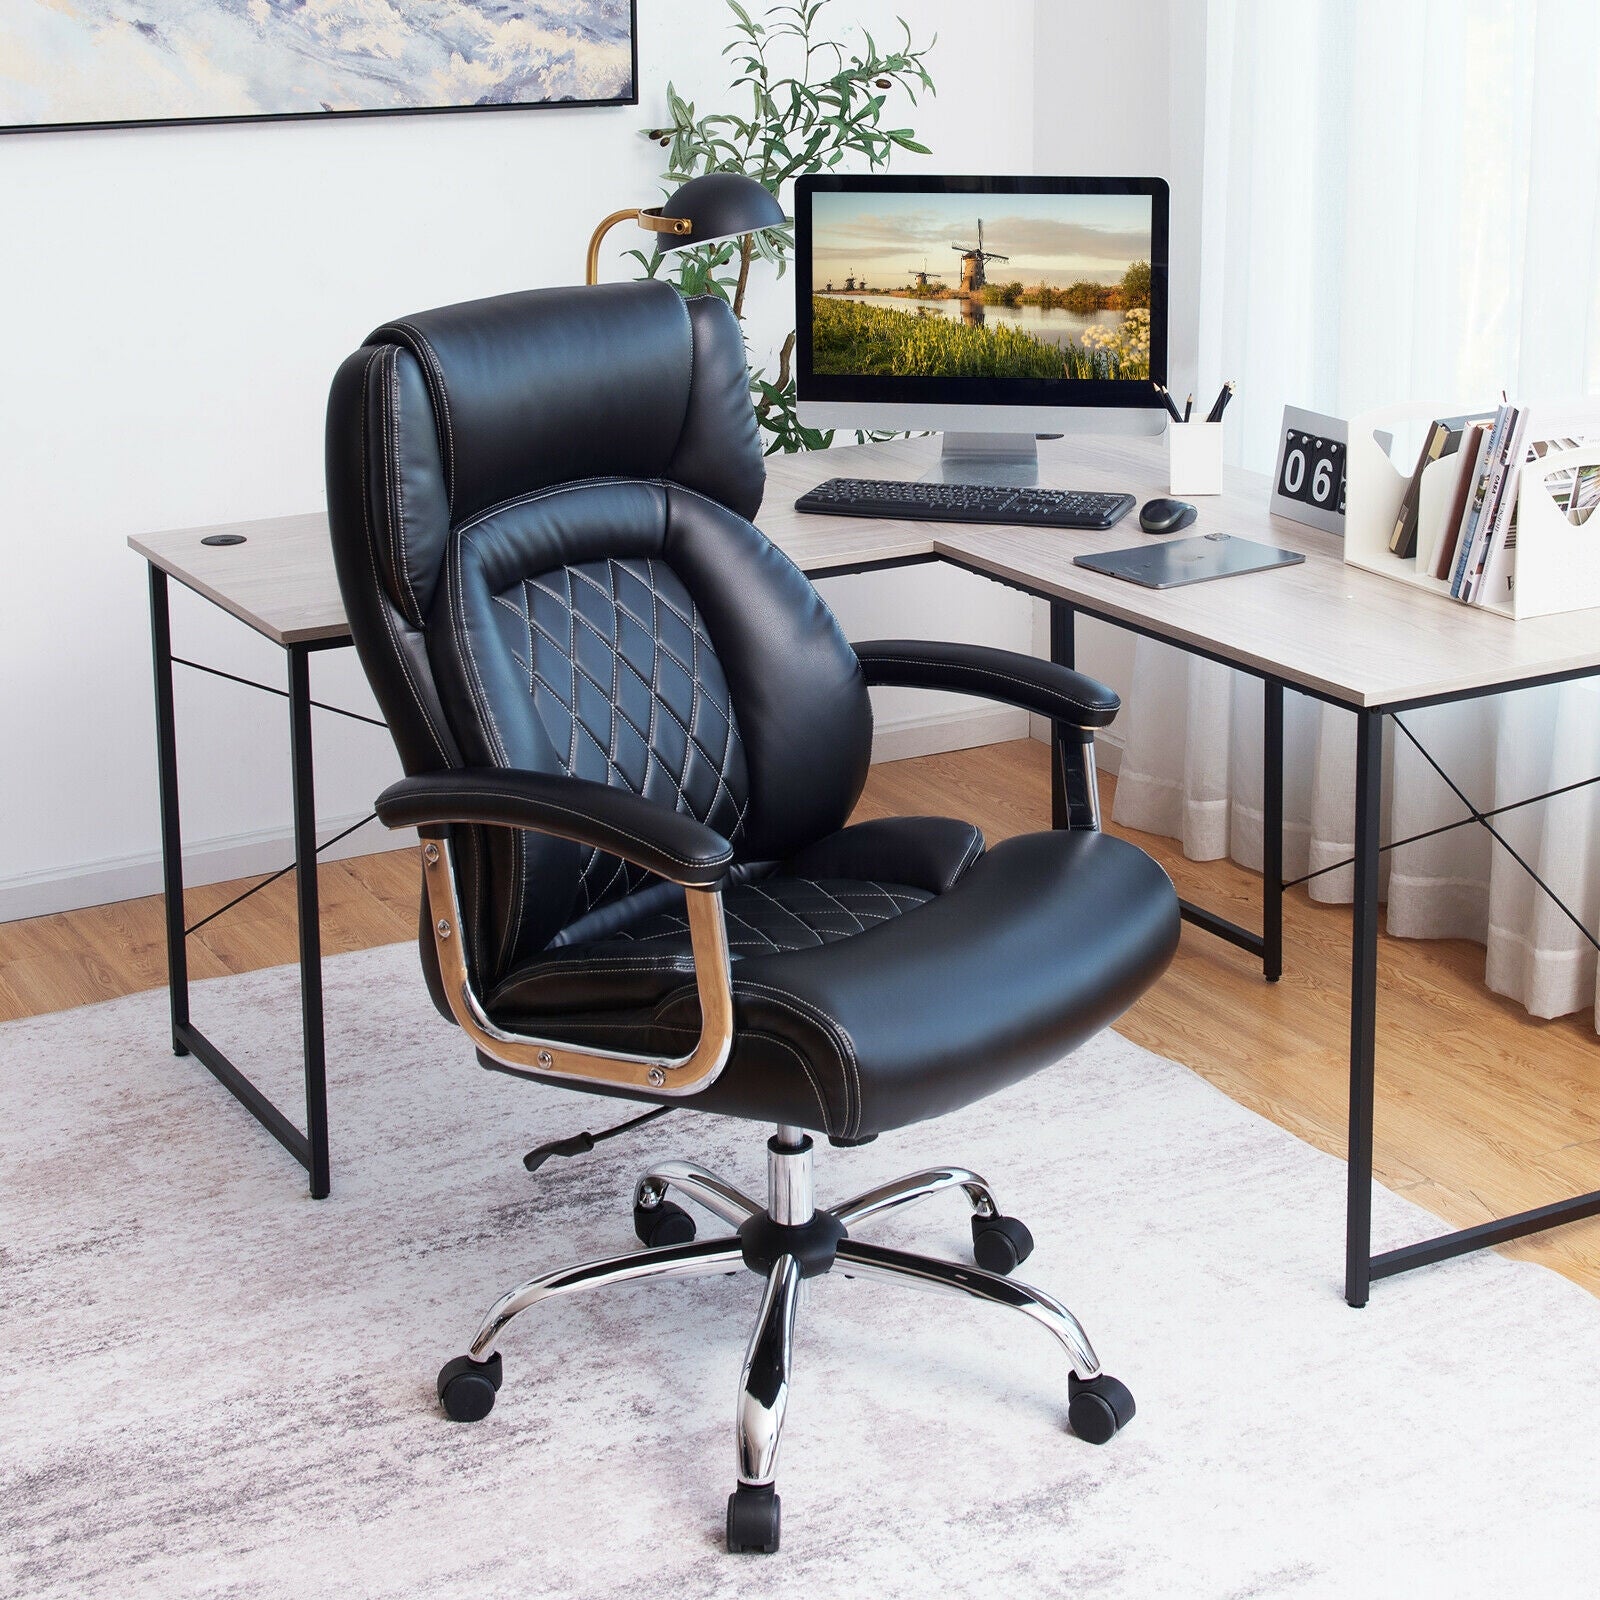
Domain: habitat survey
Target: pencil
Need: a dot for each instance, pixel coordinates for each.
(1220, 404)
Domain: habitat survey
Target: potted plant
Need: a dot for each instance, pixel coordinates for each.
(811, 104)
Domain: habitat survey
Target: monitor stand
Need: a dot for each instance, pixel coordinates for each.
(1006, 458)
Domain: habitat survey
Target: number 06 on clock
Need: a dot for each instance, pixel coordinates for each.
(1308, 485)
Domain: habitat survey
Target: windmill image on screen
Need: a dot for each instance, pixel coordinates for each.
(1033, 286)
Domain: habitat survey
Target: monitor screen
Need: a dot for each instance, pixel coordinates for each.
(985, 291)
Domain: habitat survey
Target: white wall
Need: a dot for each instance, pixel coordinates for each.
(175, 302)
(1119, 91)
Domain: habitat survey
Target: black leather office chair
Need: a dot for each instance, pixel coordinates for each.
(634, 735)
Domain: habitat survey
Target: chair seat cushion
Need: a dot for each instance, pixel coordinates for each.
(1035, 947)
(839, 887)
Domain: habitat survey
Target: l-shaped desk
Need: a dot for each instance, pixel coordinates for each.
(1339, 634)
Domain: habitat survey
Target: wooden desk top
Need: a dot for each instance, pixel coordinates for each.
(280, 581)
(1338, 631)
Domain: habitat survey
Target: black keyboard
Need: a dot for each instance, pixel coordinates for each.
(965, 502)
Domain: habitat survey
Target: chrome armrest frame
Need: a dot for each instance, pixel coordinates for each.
(661, 1075)
(1080, 783)
(1091, 782)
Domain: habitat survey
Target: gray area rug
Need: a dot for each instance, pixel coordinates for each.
(211, 1385)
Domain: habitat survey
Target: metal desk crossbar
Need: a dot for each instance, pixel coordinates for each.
(309, 1148)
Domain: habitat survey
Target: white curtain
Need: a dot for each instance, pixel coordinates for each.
(1400, 201)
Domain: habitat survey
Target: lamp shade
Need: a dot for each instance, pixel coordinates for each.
(719, 205)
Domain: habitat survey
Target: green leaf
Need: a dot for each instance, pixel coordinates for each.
(808, 119)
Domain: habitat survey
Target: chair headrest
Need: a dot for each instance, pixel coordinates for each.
(551, 386)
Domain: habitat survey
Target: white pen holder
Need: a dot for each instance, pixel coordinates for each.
(1194, 457)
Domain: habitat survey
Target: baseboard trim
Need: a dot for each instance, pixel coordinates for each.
(39, 894)
(907, 737)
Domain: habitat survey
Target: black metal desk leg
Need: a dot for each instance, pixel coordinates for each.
(1272, 830)
(305, 861)
(1363, 1005)
(171, 829)
(1064, 653)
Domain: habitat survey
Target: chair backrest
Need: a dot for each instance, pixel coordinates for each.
(539, 506)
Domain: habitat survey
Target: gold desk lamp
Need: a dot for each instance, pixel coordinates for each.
(719, 205)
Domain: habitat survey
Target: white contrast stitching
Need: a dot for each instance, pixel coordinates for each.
(843, 1045)
(582, 968)
(668, 925)
(402, 559)
(772, 900)
(383, 600)
(443, 396)
(446, 796)
(456, 606)
(973, 851)
(618, 575)
(480, 517)
(981, 671)
(805, 1068)
(463, 634)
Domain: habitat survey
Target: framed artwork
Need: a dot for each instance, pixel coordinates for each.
(120, 63)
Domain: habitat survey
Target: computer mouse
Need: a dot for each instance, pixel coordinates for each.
(1166, 516)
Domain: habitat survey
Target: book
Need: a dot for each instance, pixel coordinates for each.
(1473, 444)
(1438, 505)
(1502, 497)
(1500, 572)
(1480, 493)
(1442, 438)
(1585, 495)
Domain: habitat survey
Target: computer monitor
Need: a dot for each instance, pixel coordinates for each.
(988, 309)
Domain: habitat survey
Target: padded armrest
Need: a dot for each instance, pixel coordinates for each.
(617, 821)
(1005, 675)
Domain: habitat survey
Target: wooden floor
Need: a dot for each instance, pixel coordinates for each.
(1482, 1110)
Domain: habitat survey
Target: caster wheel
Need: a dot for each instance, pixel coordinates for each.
(1099, 1408)
(467, 1387)
(1000, 1244)
(753, 1514)
(662, 1223)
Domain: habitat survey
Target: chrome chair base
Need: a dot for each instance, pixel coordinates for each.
(789, 1240)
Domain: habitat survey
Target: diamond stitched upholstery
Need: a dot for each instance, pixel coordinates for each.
(631, 693)
(784, 914)
(651, 957)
